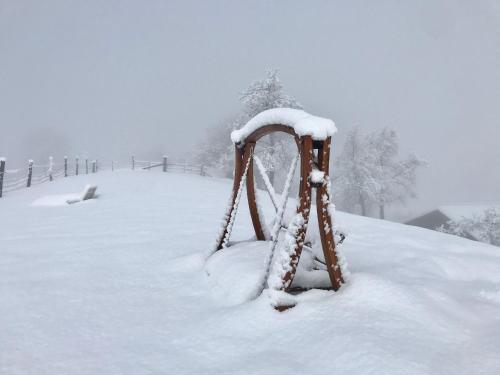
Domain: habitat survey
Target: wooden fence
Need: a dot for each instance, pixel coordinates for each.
(35, 174)
(169, 166)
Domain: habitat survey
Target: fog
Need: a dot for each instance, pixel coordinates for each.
(109, 79)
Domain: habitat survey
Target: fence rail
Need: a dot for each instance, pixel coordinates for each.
(35, 174)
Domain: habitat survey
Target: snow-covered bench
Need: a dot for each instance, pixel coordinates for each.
(88, 193)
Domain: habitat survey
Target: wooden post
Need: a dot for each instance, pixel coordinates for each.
(164, 163)
(65, 166)
(51, 168)
(30, 172)
(96, 165)
(2, 171)
(93, 166)
(86, 165)
(133, 162)
(324, 218)
(76, 166)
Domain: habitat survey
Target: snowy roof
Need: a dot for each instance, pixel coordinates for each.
(459, 212)
(302, 123)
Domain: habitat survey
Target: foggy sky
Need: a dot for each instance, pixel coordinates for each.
(112, 78)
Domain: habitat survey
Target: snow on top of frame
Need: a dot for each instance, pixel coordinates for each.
(302, 122)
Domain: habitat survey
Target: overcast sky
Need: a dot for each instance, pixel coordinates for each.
(112, 78)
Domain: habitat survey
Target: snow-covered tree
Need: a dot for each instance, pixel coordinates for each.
(485, 227)
(216, 150)
(368, 172)
(265, 94)
(394, 179)
(275, 151)
(353, 181)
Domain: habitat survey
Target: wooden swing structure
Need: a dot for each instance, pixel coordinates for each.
(314, 155)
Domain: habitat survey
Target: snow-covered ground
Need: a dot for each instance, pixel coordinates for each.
(118, 285)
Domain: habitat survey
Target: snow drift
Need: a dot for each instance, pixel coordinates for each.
(119, 287)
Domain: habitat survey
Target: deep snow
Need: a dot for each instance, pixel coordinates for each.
(118, 285)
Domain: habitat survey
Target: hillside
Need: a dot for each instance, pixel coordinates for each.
(118, 285)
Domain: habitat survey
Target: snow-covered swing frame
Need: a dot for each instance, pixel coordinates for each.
(312, 136)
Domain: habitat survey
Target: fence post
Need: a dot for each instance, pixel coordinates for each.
(51, 168)
(133, 162)
(93, 166)
(202, 170)
(164, 163)
(65, 166)
(96, 165)
(30, 172)
(76, 166)
(2, 171)
(184, 166)
(86, 165)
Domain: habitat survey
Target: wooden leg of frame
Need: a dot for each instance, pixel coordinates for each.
(324, 220)
(252, 202)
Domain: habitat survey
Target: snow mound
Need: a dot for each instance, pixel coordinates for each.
(56, 200)
(235, 272)
(302, 122)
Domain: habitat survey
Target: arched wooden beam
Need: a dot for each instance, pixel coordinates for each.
(268, 129)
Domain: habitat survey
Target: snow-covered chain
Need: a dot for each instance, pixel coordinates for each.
(342, 262)
(230, 214)
(278, 221)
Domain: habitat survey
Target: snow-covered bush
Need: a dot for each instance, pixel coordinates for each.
(484, 227)
(216, 150)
